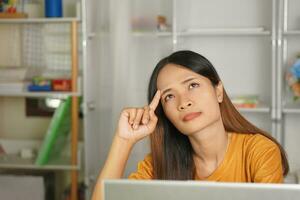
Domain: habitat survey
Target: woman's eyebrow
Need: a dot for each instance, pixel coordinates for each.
(183, 82)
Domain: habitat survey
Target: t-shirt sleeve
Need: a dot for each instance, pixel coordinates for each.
(266, 163)
(144, 169)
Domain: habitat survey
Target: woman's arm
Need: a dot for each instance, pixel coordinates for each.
(114, 165)
(265, 161)
(134, 125)
(268, 167)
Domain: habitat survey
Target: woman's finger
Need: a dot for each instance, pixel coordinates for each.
(146, 116)
(138, 118)
(132, 114)
(155, 101)
(153, 119)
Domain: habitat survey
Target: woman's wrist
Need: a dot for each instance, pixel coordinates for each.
(117, 158)
(123, 142)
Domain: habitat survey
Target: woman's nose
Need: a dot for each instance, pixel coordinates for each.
(184, 105)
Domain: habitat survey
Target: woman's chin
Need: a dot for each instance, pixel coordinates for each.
(191, 130)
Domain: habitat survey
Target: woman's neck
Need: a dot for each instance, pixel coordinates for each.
(210, 144)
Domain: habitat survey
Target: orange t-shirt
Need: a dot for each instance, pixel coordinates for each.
(249, 158)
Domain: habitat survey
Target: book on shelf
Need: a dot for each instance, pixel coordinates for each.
(245, 101)
(57, 134)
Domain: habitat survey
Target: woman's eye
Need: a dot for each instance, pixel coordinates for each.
(168, 97)
(193, 85)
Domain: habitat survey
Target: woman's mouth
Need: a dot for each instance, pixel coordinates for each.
(191, 116)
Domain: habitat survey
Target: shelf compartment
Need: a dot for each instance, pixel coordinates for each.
(226, 31)
(16, 162)
(292, 33)
(11, 159)
(21, 91)
(291, 109)
(39, 20)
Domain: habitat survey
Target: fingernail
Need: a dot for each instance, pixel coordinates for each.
(135, 126)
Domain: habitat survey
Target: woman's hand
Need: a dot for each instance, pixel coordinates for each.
(137, 123)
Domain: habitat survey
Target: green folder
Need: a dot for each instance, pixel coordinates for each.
(57, 134)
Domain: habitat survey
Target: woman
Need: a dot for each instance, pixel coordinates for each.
(195, 131)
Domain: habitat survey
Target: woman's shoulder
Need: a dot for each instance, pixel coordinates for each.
(148, 158)
(255, 143)
(249, 139)
(262, 157)
(146, 162)
(144, 169)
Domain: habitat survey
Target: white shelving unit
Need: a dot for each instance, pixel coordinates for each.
(71, 163)
(24, 93)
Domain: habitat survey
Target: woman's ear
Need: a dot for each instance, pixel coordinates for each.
(219, 92)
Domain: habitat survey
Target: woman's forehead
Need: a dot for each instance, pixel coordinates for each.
(173, 74)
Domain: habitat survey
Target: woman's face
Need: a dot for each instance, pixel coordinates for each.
(189, 100)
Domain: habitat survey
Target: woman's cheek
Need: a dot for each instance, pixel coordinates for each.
(170, 112)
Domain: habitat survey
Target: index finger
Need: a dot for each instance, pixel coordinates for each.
(155, 101)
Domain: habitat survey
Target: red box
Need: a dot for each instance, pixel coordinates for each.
(61, 85)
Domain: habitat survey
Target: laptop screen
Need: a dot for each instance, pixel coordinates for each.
(196, 190)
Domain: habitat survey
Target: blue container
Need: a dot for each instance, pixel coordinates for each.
(53, 8)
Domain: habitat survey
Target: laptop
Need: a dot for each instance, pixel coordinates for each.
(120, 189)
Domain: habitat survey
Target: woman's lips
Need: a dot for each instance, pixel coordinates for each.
(191, 116)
